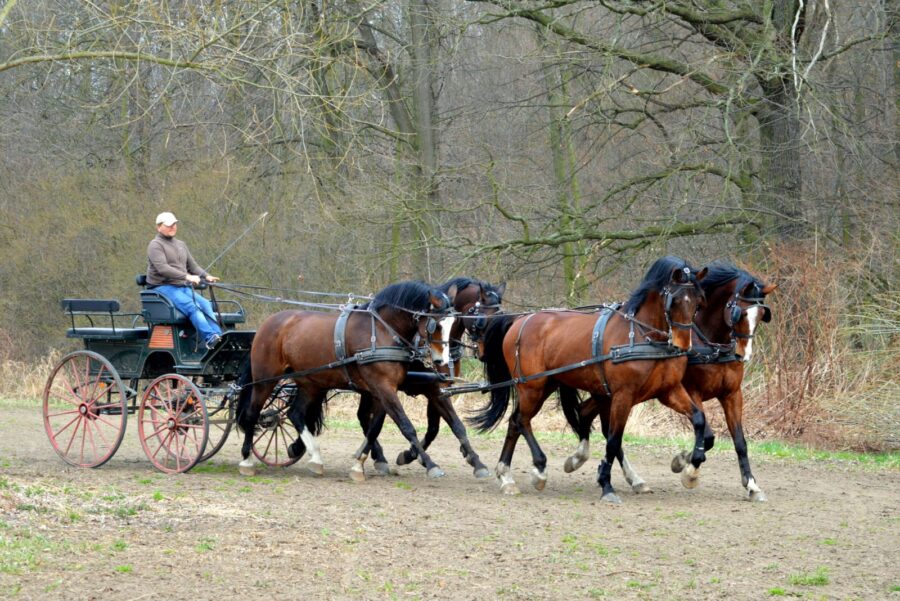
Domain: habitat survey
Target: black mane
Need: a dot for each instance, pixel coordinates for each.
(722, 272)
(463, 282)
(658, 277)
(411, 295)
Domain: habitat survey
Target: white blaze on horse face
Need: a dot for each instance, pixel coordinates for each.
(442, 357)
(752, 321)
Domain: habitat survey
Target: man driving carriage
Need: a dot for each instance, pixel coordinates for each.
(172, 271)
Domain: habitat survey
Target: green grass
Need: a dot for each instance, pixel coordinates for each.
(817, 578)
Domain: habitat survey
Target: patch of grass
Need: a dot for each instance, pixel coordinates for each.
(895, 588)
(214, 468)
(119, 545)
(205, 545)
(145, 480)
(53, 586)
(817, 578)
(124, 569)
(403, 485)
(830, 542)
(777, 592)
(158, 496)
(21, 552)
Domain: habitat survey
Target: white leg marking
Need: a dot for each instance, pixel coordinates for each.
(690, 477)
(247, 467)
(315, 463)
(580, 456)
(446, 324)
(507, 483)
(756, 493)
(358, 469)
(637, 483)
(538, 478)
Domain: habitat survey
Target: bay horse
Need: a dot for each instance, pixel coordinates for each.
(473, 298)
(367, 348)
(539, 352)
(722, 343)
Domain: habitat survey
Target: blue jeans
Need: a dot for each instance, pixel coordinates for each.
(196, 307)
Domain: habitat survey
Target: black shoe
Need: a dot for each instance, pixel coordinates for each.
(213, 341)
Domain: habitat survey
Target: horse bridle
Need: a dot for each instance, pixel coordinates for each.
(734, 313)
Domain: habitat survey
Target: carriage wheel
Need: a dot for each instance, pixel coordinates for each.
(274, 431)
(220, 414)
(85, 408)
(172, 423)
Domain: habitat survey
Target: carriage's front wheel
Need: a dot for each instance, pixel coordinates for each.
(85, 409)
(172, 423)
(274, 431)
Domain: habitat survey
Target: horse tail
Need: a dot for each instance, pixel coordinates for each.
(315, 417)
(570, 401)
(245, 395)
(497, 371)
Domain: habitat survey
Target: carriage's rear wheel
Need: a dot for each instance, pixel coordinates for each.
(85, 409)
(274, 431)
(220, 412)
(172, 423)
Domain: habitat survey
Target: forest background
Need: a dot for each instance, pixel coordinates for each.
(559, 146)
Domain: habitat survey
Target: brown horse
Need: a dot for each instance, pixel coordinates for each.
(628, 354)
(723, 342)
(370, 349)
(473, 298)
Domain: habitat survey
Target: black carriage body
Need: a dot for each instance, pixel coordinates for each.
(159, 339)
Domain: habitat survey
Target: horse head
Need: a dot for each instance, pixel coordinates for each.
(435, 326)
(736, 307)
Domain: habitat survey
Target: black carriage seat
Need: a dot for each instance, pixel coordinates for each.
(157, 309)
(86, 309)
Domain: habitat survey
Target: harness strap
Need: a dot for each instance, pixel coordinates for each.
(340, 347)
(597, 341)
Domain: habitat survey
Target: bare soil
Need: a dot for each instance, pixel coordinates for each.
(831, 530)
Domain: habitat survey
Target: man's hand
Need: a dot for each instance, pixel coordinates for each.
(211, 278)
(193, 279)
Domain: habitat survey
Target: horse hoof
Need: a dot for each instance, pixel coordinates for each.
(690, 477)
(573, 463)
(383, 469)
(436, 472)
(247, 470)
(679, 462)
(357, 474)
(405, 458)
(539, 480)
(317, 469)
(611, 498)
(482, 473)
(757, 496)
(641, 488)
(510, 488)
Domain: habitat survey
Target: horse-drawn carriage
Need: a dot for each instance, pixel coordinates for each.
(151, 364)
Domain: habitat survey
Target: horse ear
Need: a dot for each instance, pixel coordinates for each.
(451, 294)
(769, 289)
(501, 288)
(679, 275)
(702, 273)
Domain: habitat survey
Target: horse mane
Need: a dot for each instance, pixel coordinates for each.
(463, 282)
(723, 272)
(658, 277)
(412, 295)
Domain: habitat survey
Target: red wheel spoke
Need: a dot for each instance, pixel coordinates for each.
(64, 428)
(74, 435)
(49, 415)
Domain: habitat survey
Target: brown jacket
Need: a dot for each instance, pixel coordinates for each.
(169, 261)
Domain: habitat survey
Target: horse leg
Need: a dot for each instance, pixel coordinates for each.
(638, 485)
(679, 400)
(392, 406)
(358, 469)
(440, 406)
(434, 424)
(364, 414)
(504, 476)
(304, 422)
(587, 412)
(617, 417)
(530, 402)
(733, 406)
(248, 420)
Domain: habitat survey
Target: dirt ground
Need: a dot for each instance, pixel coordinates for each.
(124, 531)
